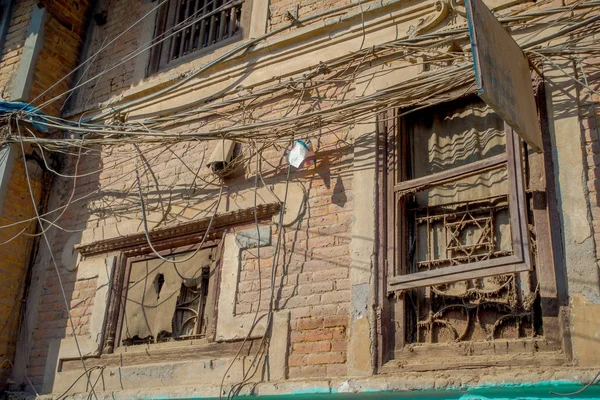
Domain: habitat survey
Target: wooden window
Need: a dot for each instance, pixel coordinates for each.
(459, 197)
(184, 28)
(152, 301)
(164, 302)
(462, 210)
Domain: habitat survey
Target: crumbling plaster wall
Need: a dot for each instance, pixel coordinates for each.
(312, 278)
(279, 9)
(315, 252)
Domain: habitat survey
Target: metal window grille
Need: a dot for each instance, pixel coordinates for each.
(189, 26)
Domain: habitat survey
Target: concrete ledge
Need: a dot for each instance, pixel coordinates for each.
(402, 382)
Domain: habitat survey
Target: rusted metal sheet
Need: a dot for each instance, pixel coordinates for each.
(502, 73)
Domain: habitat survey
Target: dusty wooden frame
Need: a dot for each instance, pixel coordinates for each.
(211, 302)
(184, 238)
(549, 265)
(519, 261)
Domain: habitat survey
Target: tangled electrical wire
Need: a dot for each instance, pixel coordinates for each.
(319, 101)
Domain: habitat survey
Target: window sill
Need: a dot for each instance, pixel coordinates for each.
(170, 352)
(468, 355)
(157, 347)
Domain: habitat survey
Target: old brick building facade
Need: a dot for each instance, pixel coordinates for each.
(427, 246)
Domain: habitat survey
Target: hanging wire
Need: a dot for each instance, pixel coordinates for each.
(55, 264)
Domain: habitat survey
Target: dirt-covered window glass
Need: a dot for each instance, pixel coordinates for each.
(169, 302)
(185, 28)
(458, 229)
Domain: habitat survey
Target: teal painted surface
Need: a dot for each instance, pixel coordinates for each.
(537, 391)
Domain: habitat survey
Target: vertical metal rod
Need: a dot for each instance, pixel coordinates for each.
(195, 26)
(174, 46)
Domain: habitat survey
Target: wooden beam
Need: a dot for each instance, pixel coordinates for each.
(455, 273)
(139, 239)
(452, 174)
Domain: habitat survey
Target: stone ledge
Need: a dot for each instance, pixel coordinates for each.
(464, 380)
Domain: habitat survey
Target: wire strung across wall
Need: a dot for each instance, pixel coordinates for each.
(303, 113)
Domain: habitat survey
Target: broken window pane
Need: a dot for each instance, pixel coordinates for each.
(167, 301)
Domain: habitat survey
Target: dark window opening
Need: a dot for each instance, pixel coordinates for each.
(184, 27)
(189, 320)
(160, 281)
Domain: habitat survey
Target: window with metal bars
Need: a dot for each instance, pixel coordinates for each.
(464, 210)
(186, 27)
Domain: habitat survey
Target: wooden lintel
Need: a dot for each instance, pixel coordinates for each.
(220, 221)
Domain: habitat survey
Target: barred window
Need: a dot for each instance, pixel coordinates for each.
(463, 211)
(184, 28)
(460, 195)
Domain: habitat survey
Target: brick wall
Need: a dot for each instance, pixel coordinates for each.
(15, 250)
(17, 206)
(313, 272)
(63, 37)
(312, 276)
(120, 15)
(13, 44)
(123, 14)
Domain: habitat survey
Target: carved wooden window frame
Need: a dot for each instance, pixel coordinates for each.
(549, 265)
(519, 261)
(183, 238)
